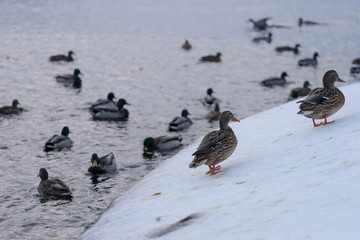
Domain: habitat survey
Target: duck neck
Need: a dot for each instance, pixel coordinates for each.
(224, 125)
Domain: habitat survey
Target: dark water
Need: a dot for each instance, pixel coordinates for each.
(133, 49)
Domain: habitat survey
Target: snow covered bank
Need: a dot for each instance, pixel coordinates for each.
(285, 180)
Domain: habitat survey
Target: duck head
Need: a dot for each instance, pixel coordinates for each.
(121, 102)
(77, 72)
(307, 84)
(15, 103)
(110, 96)
(315, 55)
(70, 53)
(218, 54)
(330, 77)
(95, 160)
(65, 131)
(184, 113)
(209, 91)
(43, 174)
(225, 118)
(283, 75)
(148, 142)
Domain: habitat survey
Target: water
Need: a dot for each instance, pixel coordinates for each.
(133, 49)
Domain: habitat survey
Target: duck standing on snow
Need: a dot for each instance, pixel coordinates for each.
(295, 49)
(209, 99)
(58, 142)
(108, 112)
(54, 188)
(105, 164)
(58, 58)
(275, 80)
(186, 45)
(214, 115)
(309, 61)
(267, 39)
(301, 91)
(180, 123)
(162, 143)
(211, 58)
(217, 145)
(13, 109)
(70, 79)
(104, 103)
(323, 102)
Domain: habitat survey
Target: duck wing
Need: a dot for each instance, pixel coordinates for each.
(211, 142)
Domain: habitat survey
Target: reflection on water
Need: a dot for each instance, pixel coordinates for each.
(133, 48)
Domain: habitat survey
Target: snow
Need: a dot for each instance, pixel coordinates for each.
(286, 180)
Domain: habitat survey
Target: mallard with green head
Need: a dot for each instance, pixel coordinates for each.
(162, 143)
(105, 164)
(275, 81)
(70, 79)
(62, 57)
(209, 100)
(54, 188)
(180, 123)
(13, 109)
(217, 145)
(59, 142)
(309, 61)
(105, 112)
(108, 103)
(323, 102)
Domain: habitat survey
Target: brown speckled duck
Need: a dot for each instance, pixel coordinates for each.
(13, 109)
(61, 57)
(288, 49)
(323, 102)
(211, 58)
(214, 115)
(217, 145)
(54, 188)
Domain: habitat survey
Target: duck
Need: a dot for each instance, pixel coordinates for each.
(59, 142)
(13, 109)
(267, 39)
(186, 45)
(356, 61)
(70, 79)
(162, 143)
(306, 22)
(180, 123)
(105, 164)
(65, 58)
(260, 24)
(301, 91)
(216, 146)
(104, 103)
(106, 112)
(211, 58)
(209, 99)
(54, 188)
(288, 49)
(309, 61)
(213, 115)
(323, 102)
(275, 80)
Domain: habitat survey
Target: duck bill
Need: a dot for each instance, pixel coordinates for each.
(340, 80)
(235, 120)
(94, 164)
(144, 149)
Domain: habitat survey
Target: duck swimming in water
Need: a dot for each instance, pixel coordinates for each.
(105, 164)
(260, 24)
(209, 99)
(186, 45)
(59, 142)
(213, 115)
(323, 102)
(309, 61)
(302, 22)
(54, 188)
(104, 103)
(180, 123)
(70, 79)
(106, 112)
(295, 49)
(162, 143)
(275, 80)
(217, 145)
(301, 91)
(13, 109)
(211, 58)
(65, 58)
(267, 39)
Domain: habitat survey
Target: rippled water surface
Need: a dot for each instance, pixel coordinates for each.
(133, 49)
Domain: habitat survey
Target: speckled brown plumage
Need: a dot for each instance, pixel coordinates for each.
(55, 188)
(323, 102)
(13, 109)
(217, 145)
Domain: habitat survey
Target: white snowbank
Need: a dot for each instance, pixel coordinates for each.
(286, 180)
